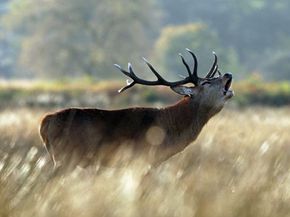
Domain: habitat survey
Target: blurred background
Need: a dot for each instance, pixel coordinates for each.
(60, 53)
(73, 41)
(56, 39)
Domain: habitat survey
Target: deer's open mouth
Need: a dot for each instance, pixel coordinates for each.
(228, 82)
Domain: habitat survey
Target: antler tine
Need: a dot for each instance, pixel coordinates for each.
(122, 70)
(136, 80)
(129, 84)
(159, 77)
(215, 71)
(194, 76)
(213, 68)
(130, 74)
(186, 65)
(216, 66)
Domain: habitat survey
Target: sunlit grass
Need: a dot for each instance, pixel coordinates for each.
(239, 166)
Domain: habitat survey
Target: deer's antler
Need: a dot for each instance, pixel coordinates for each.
(191, 78)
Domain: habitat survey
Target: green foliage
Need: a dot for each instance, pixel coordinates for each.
(65, 38)
(201, 40)
(255, 30)
(257, 92)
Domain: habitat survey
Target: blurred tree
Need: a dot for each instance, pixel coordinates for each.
(198, 38)
(277, 67)
(7, 50)
(71, 37)
(253, 28)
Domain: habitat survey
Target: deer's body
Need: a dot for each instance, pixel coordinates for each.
(77, 136)
(151, 133)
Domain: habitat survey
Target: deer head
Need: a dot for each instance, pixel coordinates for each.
(210, 92)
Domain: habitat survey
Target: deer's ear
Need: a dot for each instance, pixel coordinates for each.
(183, 90)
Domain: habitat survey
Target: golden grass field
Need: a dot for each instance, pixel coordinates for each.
(238, 167)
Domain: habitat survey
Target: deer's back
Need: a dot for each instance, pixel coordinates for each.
(91, 132)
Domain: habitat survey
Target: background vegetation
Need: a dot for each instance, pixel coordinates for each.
(41, 94)
(64, 38)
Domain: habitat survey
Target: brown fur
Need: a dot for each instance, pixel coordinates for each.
(86, 134)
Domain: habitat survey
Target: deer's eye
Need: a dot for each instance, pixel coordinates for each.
(205, 82)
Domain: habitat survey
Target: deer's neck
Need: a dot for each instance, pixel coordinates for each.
(185, 120)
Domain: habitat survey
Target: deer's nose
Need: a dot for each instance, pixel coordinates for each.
(228, 75)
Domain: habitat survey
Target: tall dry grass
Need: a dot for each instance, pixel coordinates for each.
(239, 166)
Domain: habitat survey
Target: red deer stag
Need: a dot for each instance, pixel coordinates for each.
(81, 136)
